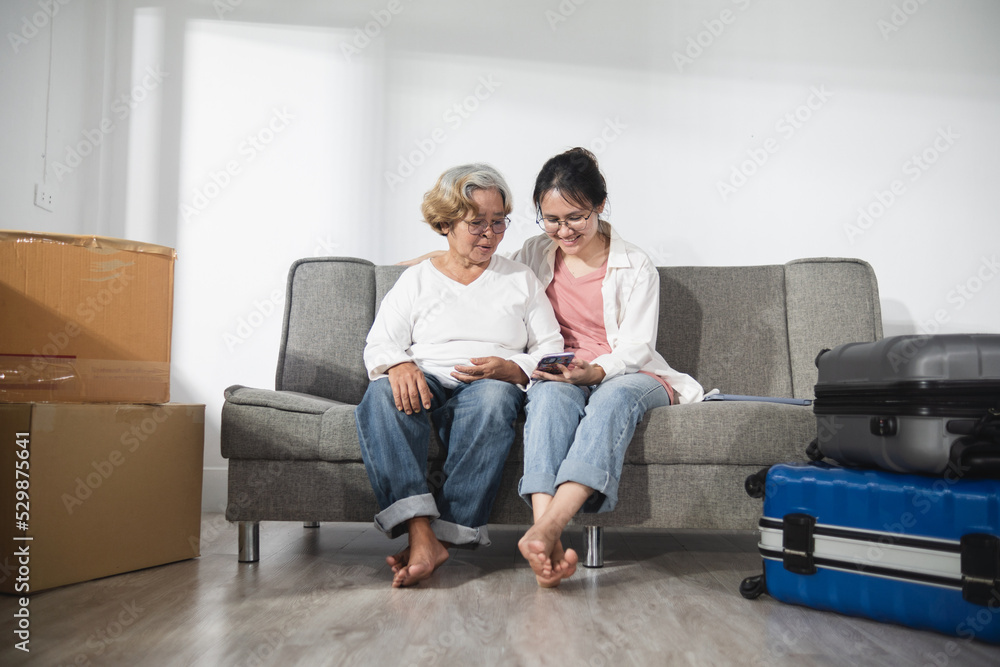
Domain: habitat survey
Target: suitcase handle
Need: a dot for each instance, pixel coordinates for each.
(988, 426)
(978, 453)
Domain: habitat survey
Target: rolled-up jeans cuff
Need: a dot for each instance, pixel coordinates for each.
(460, 536)
(392, 520)
(597, 479)
(536, 482)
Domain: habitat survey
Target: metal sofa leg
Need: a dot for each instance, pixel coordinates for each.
(593, 539)
(249, 541)
(310, 524)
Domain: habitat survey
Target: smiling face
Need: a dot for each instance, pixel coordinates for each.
(554, 206)
(477, 249)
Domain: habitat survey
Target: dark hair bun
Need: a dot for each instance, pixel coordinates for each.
(576, 175)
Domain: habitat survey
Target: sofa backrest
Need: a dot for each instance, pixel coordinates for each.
(329, 308)
(830, 302)
(757, 329)
(745, 330)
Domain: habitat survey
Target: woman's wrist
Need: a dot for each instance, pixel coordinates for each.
(517, 374)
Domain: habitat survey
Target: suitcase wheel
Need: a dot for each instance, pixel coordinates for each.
(975, 458)
(753, 587)
(813, 451)
(755, 483)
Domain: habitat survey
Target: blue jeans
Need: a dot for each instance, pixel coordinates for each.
(475, 422)
(580, 434)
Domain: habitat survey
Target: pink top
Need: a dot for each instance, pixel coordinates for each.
(579, 308)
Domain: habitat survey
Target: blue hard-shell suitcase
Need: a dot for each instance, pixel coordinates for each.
(910, 549)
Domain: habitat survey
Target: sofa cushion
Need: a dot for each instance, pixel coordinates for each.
(286, 426)
(724, 433)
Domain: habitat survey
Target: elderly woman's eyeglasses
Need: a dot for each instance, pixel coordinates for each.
(478, 227)
(575, 221)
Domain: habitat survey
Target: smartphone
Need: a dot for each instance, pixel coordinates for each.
(549, 361)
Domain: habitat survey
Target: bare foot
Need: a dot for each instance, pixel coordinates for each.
(563, 566)
(543, 550)
(419, 560)
(419, 565)
(398, 561)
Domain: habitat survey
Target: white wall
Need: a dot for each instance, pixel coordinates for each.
(52, 68)
(808, 111)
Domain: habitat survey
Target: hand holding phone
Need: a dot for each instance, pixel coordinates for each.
(549, 362)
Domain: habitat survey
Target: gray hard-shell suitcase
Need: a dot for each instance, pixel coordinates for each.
(923, 404)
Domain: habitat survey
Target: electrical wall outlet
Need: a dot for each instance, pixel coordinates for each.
(44, 197)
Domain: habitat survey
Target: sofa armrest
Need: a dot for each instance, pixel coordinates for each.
(290, 401)
(263, 424)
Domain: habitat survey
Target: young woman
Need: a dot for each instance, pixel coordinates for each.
(605, 293)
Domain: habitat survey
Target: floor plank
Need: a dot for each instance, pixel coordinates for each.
(323, 597)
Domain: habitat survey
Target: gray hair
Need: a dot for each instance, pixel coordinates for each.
(450, 200)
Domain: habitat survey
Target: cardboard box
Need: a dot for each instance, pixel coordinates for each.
(84, 319)
(107, 488)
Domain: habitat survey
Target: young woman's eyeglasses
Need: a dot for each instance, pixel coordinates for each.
(575, 221)
(478, 227)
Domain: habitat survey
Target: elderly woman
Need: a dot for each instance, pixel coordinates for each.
(457, 336)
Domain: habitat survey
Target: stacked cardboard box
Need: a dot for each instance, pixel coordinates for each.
(99, 474)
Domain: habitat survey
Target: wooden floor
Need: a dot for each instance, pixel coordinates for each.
(322, 597)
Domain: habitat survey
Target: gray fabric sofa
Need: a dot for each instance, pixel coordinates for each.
(293, 452)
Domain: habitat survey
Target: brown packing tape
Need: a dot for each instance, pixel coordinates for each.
(43, 379)
(98, 243)
(34, 372)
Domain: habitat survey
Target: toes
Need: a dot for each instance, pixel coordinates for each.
(568, 565)
(403, 578)
(398, 560)
(412, 574)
